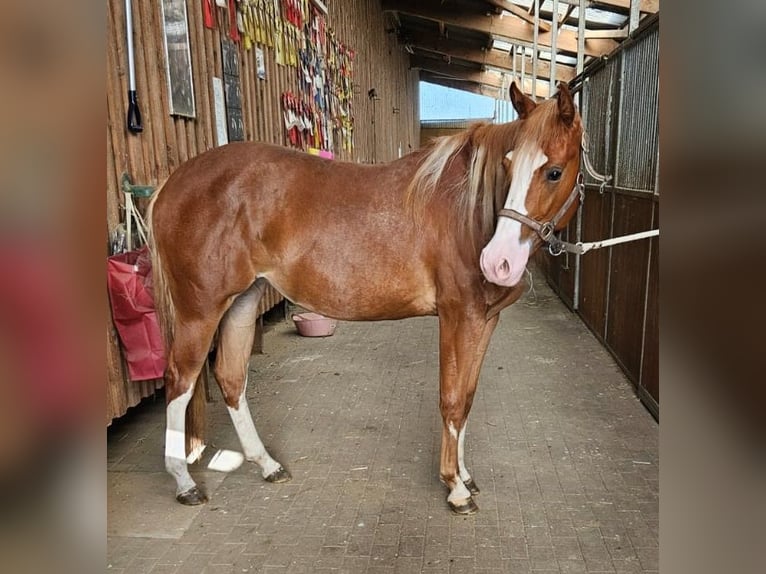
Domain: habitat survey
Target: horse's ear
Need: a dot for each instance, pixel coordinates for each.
(566, 104)
(521, 103)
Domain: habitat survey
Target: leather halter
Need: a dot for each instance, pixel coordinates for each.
(546, 229)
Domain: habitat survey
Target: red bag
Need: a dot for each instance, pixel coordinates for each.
(129, 283)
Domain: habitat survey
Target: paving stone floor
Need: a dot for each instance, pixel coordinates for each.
(565, 455)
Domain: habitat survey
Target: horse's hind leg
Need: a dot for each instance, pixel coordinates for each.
(186, 358)
(235, 342)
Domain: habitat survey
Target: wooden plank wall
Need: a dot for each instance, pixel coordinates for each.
(383, 127)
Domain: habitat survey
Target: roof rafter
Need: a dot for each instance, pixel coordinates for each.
(521, 13)
(620, 33)
(472, 87)
(646, 6)
(513, 29)
(476, 76)
(431, 42)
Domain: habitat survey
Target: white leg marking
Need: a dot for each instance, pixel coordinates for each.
(226, 461)
(248, 436)
(464, 475)
(175, 443)
(459, 494)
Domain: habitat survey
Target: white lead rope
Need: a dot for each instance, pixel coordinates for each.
(556, 246)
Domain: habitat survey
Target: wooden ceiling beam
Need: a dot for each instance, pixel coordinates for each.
(480, 89)
(620, 33)
(491, 58)
(514, 29)
(454, 71)
(521, 13)
(646, 6)
(463, 74)
(567, 14)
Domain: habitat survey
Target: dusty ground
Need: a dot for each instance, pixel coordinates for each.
(565, 455)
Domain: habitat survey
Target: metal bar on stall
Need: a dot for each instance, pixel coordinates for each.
(634, 15)
(646, 307)
(514, 76)
(579, 96)
(534, 48)
(616, 176)
(581, 37)
(513, 65)
(554, 38)
(523, 66)
(610, 142)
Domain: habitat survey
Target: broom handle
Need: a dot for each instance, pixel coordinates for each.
(134, 113)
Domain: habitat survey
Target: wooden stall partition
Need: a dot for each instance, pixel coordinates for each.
(627, 287)
(594, 267)
(615, 290)
(384, 125)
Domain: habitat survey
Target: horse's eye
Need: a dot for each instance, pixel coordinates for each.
(554, 174)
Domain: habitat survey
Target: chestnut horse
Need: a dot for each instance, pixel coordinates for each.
(443, 231)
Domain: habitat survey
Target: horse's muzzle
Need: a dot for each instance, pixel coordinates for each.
(503, 266)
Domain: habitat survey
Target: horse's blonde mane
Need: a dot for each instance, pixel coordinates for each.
(478, 191)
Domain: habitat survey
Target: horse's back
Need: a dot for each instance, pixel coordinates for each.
(333, 236)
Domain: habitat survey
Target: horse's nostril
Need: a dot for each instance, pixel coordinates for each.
(504, 268)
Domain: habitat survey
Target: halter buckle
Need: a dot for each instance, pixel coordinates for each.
(546, 231)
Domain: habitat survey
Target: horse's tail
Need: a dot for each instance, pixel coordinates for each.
(163, 300)
(166, 313)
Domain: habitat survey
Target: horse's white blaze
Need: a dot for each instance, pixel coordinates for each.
(464, 474)
(452, 430)
(248, 436)
(504, 258)
(175, 441)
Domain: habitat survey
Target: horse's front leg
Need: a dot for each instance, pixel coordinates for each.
(463, 340)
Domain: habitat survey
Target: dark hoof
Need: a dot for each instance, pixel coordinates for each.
(471, 486)
(192, 497)
(279, 475)
(468, 507)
